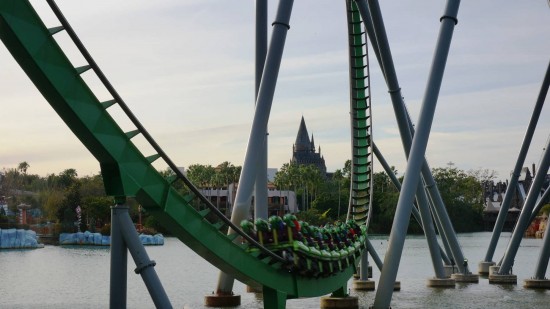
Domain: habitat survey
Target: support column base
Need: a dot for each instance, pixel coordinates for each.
(222, 300)
(503, 279)
(349, 302)
(441, 283)
(449, 270)
(363, 285)
(465, 278)
(493, 270)
(483, 267)
(397, 286)
(536, 284)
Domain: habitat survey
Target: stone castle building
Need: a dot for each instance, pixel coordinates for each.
(303, 150)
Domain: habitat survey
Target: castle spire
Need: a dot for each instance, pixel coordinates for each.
(302, 139)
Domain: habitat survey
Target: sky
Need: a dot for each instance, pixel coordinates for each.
(186, 69)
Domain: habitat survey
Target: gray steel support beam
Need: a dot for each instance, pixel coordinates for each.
(527, 210)
(374, 255)
(501, 218)
(124, 238)
(364, 269)
(422, 199)
(144, 265)
(119, 261)
(261, 196)
(418, 148)
(259, 126)
(542, 264)
(376, 26)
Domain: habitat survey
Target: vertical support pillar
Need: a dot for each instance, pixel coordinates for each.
(119, 261)
(418, 148)
(261, 193)
(144, 265)
(539, 281)
(259, 126)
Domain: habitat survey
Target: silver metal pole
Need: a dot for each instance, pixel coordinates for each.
(261, 196)
(259, 126)
(416, 156)
(421, 217)
(119, 261)
(374, 255)
(501, 218)
(144, 265)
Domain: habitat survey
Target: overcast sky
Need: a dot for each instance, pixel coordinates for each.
(186, 69)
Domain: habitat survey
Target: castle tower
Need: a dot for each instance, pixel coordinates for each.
(304, 150)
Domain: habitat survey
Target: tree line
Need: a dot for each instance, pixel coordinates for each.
(321, 198)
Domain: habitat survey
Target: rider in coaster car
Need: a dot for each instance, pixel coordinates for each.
(248, 228)
(293, 227)
(264, 236)
(277, 229)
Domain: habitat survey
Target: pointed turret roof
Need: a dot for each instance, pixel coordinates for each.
(302, 139)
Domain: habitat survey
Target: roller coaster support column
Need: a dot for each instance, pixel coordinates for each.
(418, 148)
(501, 218)
(421, 196)
(119, 261)
(504, 273)
(124, 236)
(260, 200)
(540, 204)
(259, 126)
(375, 25)
(415, 212)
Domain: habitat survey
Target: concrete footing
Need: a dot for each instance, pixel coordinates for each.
(449, 270)
(441, 283)
(536, 284)
(397, 286)
(363, 285)
(503, 279)
(493, 270)
(483, 267)
(222, 300)
(465, 278)
(356, 276)
(349, 302)
(253, 289)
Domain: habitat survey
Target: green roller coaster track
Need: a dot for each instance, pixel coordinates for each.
(129, 173)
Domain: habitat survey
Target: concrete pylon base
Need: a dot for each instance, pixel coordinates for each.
(397, 286)
(449, 270)
(503, 279)
(441, 283)
(329, 302)
(536, 284)
(483, 267)
(363, 285)
(493, 270)
(252, 289)
(465, 278)
(222, 300)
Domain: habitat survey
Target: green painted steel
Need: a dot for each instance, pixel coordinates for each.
(127, 172)
(361, 120)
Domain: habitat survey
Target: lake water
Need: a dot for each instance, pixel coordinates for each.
(78, 277)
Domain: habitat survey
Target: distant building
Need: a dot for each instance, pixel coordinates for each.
(494, 196)
(279, 202)
(303, 150)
